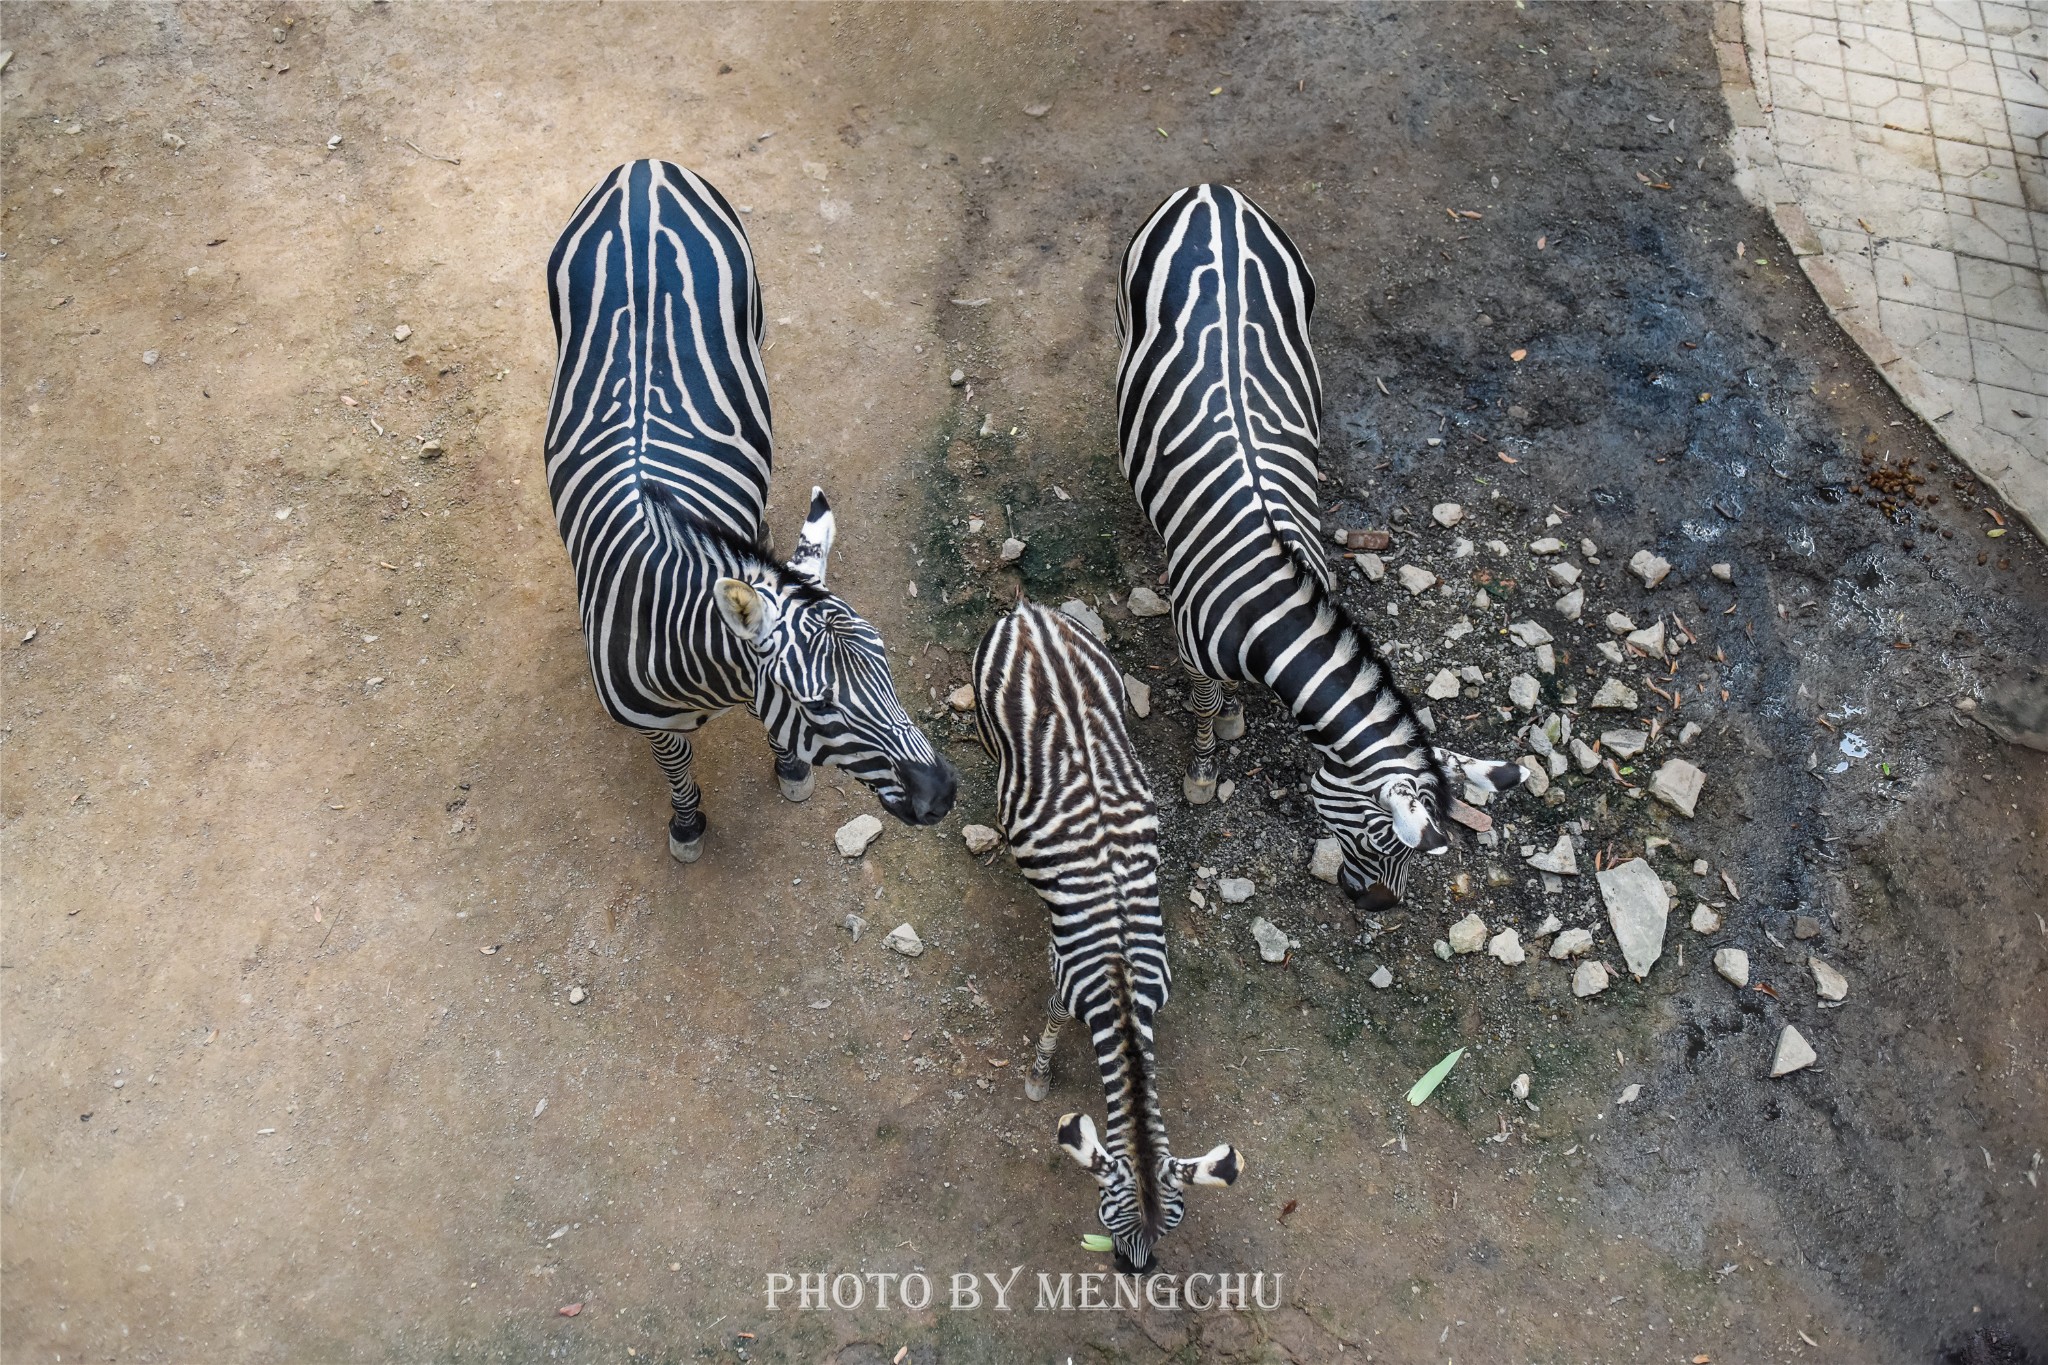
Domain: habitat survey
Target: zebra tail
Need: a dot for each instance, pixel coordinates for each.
(1131, 1092)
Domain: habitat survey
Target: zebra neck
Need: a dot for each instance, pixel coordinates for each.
(1328, 673)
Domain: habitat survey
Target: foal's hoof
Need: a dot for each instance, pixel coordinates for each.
(686, 841)
(799, 790)
(1035, 1089)
(1230, 722)
(1199, 790)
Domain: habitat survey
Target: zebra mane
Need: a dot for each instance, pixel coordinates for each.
(678, 521)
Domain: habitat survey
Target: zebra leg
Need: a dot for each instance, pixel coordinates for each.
(794, 776)
(1039, 1082)
(1206, 701)
(1230, 722)
(686, 824)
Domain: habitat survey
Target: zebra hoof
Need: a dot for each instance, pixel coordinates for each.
(799, 790)
(1036, 1090)
(1230, 723)
(686, 842)
(1198, 790)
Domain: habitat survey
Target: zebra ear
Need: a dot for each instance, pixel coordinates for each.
(748, 614)
(1482, 773)
(1077, 1139)
(814, 542)
(1411, 819)
(1220, 1165)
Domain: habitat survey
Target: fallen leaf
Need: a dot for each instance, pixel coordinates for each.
(1217, 91)
(570, 1310)
(488, 951)
(1506, 458)
(1095, 1241)
(1288, 1208)
(1433, 1078)
(901, 1352)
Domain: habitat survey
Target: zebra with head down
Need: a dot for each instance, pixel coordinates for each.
(658, 452)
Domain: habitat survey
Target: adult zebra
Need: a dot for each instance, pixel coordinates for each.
(658, 453)
(1219, 417)
(1074, 804)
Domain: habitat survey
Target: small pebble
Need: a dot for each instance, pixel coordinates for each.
(979, 839)
(1443, 686)
(1520, 1089)
(1373, 567)
(961, 698)
(1417, 580)
(1619, 624)
(1733, 965)
(1828, 983)
(1382, 978)
(856, 834)
(1548, 545)
(1649, 567)
(1145, 602)
(1724, 572)
(1565, 575)
(1794, 1053)
(1236, 890)
(1273, 943)
(1528, 634)
(1447, 514)
(1139, 695)
(1082, 615)
(957, 378)
(1590, 979)
(1328, 860)
(1012, 551)
(149, 357)
(1507, 947)
(1570, 944)
(1468, 935)
(577, 995)
(1706, 920)
(1624, 744)
(1572, 604)
(1441, 949)
(401, 332)
(1615, 696)
(903, 939)
(1677, 784)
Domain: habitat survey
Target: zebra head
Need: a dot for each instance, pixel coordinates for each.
(1382, 819)
(1133, 1227)
(822, 683)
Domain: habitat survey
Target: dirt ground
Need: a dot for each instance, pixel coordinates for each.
(311, 820)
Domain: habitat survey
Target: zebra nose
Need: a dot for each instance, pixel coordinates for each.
(1371, 899)
(930, 788)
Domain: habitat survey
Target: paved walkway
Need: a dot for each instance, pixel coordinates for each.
(1898, 144)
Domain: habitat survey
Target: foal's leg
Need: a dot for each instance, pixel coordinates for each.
(1205, 699)
(686, 824)
(793, 775)
(1040, 1080)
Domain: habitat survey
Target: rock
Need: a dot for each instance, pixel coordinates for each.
(1733, 965)
(1649, 568)
(1441, 949)
(1367, 540)
(1724, 572)
(1472, 673)
(1584, 756)
(974, 525)
(1481, 602)
(1571, 943)
(1468, 935)
(979, 838)
(1805, 926)
(856, 834)
(401, 332)
(1225, 790)
(1476, 820)
(1637, 909)
(1650, 640)
(1273, 944)
(1145, 602)
(1236, 890)
(957, 378)
(1139, 695)
(855, 923)
(1327, 861)
(1629, 1094)
(1677, 784)
(1458, 630)
(1572, 604)
(1524, 691)
(1374, 568)
(1416, 579)
(1565, 575)
(1520, 1089)
(1614, 696)
(1624, 743)
(1012, 551)
(1461, 548)
(1546, 659)
(1706, 920)
(1611, 651)
(1700, 867)
(1037, 110)
(1528, 634)
(1619, 624)
(1548, 545)
(149, 357)
(1447, 514)
(1382, 978)
(903, 939)
(1445, 684)
(1794, 1053)
(1588, 548)
(1507, 946)
(1689, 731)
(961, 698)
(1589, 979)
(577, 995)
(1562, 859)
(1828, 983)
(1082, 615)
(1537, 781)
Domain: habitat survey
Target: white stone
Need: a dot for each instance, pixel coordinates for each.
(1273, 943)
(1649, 567)
(1375, 568)
(1328, 860)
(1520, 1089)
(1528, 634)
(903, 939)
(1619, 624)
(1461, 548)
(1611, 652)
(1564, 574)
(400, 332)
(1012, 551)
(149, 357)
(961, 698)
(1236, 890)
(1082, 615)
(1225, 790)
(1441, 949)
(1537, 781)
(1706, 920)
(1507, 946)
(1700, 867)
(1458, 630)
(856, 834)
(1794, 1053)
(1572, 604)
(1689, 731)
(1139, 695)
(1444, 685)
(1548, 545)
(1382, 978)
(957, 378)
(1546, 659)
(1637, 908)
(979, 839)
(1614, 696)
(1562, 859)
(1468, 935)
(1145, 602)
(1524, 691)
(1724, 572)
(1589, 979)
(1447, 514)
(1733, 965)
(1584, 756)
(1481, 601)
(1650, 640)
(1624, 744)
(1416, 579)
(1677, 784)
(577, 995)
(1559, 764)
(1630, 1093)
(1571, 943)
(1828, 983)
(1588, 548)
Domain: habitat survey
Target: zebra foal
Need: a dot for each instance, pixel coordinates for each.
(658, 452)
(1074, 804)
(1219, 415)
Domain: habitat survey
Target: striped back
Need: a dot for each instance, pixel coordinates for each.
(1074, 803)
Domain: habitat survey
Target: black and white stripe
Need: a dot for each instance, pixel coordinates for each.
(1219, 419)
(658, 454)
(1073, 801)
